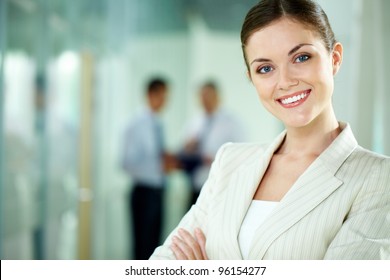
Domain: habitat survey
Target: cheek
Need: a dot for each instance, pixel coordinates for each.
(265, 95)
(317, 75)
(324, 77)
(324, 70)
(264, 89)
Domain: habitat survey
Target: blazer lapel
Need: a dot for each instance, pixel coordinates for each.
(313, 186)
(300, 200)
(241, 189)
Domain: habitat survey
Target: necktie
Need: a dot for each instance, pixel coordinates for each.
(159, 136)
(205, 132)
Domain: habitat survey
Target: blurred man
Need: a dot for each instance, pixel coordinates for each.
(143, 158)
(206, 133)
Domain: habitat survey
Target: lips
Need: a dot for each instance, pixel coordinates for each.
(295, 99)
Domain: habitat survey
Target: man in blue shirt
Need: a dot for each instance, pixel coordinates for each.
(143, 158)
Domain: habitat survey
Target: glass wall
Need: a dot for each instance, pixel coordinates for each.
(73, 74)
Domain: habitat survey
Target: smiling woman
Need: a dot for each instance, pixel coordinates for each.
(313, 193)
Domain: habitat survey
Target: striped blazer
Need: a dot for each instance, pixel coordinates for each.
(339, 208)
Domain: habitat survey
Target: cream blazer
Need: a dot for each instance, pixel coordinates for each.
(339, 208)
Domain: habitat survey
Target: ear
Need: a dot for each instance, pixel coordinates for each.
(337, 57)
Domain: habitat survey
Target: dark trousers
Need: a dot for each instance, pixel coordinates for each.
(146, 204)
(189, 163)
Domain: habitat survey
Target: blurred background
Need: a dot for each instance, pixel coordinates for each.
(72, 73)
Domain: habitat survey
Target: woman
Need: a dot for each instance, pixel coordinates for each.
(313, 193)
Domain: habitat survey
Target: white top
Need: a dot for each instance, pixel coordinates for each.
(258, 211)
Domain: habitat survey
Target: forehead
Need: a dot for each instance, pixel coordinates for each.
(282, 34)
(207, 89)
(158, 89)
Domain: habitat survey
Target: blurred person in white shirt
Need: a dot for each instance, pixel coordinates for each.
(205, 133)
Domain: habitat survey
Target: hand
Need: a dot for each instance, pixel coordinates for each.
(207, 160)
(187, 247)
(191, 146)
(170, 163)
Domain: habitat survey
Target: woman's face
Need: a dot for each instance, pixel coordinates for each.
(292, 71)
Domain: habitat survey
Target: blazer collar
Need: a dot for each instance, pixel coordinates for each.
(311, 188)
(339, 150)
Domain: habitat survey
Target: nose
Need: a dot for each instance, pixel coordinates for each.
(286, 79)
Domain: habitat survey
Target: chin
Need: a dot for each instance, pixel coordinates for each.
(298, 122)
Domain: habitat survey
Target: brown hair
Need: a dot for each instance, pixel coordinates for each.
(304, 11)
(155, 84)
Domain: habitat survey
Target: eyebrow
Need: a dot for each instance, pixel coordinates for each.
(296, 48)
(292, 51)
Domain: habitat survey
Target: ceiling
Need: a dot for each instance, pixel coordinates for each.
(52, 25)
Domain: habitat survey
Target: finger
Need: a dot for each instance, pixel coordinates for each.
(183, 246)
(192, 243)
(179, 254)
(201, 239)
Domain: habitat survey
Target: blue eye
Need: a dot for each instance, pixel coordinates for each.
(265, 69)
(302, 58)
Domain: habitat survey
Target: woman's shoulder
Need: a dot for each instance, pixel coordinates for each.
(372, 167)
(371, 157)
(239, 153)
(240, 147)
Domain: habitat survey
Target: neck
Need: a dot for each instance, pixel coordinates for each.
(154, 111)
(312, 139)
(211, 111)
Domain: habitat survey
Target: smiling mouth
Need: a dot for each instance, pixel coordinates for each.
(294, 99)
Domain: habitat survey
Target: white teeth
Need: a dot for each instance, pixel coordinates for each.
(293, 99)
